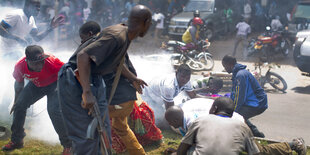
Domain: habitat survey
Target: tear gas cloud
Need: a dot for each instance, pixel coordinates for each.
(38, 124)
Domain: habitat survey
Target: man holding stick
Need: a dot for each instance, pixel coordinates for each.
(97, 56)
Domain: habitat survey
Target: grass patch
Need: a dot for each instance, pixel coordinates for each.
(37, 147)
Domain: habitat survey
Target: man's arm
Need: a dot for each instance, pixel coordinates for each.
(18, 87)
(54, 23)
(240, 93)
(6, 34)
(83, 65)
(39, 36)
(193, 94)
(136, 82)
(183, 148)
(193, 31)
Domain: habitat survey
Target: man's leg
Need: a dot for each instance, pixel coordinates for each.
(276, 148)
(121, 128)
(245, 48)
(29, 95)
(248, 112)
(56, 117)
(237, 41)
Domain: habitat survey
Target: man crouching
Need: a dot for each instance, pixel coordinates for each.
(41, 70)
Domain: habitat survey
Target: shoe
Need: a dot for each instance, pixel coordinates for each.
(67, 151)
(300, 146)
(259, 134)
(12, 146)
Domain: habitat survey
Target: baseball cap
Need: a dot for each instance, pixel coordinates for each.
(35, 53)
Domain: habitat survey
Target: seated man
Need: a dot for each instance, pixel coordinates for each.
(207, 85)
(161, 92)
(192, 34)
(217, 133)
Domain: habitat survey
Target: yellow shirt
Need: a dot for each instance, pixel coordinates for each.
(187, 37)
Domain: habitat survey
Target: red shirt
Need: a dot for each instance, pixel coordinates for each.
(47, 76)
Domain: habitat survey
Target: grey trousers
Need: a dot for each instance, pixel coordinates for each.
(243, 40)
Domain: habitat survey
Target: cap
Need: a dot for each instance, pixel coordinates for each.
(35, 53)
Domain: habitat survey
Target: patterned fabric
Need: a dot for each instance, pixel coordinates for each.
(142, 123)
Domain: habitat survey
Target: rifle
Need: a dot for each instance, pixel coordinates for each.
(97, 123)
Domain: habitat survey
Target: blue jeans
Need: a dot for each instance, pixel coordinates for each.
(247, 112)
(77, 118)
(27, 97)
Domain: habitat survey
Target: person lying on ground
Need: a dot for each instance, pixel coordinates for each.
(218, 133)
(41, 70)
(207, 85)
(161, 92)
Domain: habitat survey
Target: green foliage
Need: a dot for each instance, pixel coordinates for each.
(36, 147)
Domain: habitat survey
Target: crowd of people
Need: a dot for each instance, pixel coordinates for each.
(100, 73)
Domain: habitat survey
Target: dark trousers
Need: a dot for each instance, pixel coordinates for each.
(27, 97)
(76, 118)
(247, 112)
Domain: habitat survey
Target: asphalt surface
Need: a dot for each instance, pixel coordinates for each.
(288, 114)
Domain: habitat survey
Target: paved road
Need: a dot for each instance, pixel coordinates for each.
(288, 114)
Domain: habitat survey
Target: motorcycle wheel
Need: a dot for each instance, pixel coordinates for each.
(276, 81)
(195, 65)
(207, 61)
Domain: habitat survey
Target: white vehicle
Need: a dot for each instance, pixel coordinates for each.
(302, 51)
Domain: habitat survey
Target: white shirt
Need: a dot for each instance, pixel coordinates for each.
(160, 17)
(243, 28)
(19, 26)
(276, 24)
(247, 10)
(198, 107)
(165, 88)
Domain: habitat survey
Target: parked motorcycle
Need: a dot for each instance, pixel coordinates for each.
(274, 79)
(197, 58)
(270, 44)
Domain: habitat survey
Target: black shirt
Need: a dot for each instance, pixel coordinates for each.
(105, 50)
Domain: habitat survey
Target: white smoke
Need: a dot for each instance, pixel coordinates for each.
(38, 124)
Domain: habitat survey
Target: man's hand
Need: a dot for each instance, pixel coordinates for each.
(88, 101)
(57, 21)
(139, 84)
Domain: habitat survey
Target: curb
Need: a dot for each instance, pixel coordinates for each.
(273, 141)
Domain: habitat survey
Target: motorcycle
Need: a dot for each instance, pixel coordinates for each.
(269, 44)
(197, 59)
(274, 79)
